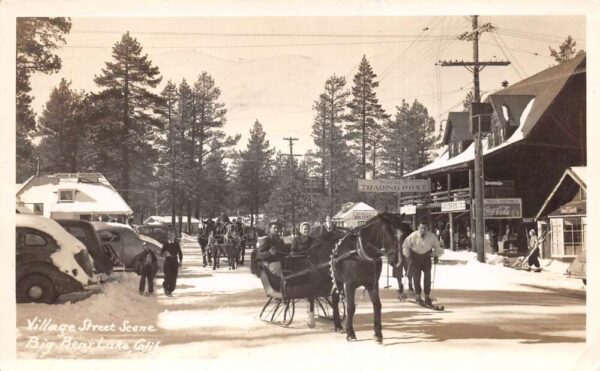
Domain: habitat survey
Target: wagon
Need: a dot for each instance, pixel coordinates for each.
(301, 281)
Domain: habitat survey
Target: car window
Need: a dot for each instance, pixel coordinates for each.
(32, 239)
(77, 232)
(109, 236)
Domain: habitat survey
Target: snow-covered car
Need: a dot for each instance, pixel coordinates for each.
(105, 258)
(124, 241)
(50, 261)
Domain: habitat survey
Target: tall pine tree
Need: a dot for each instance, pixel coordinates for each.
(366, 114)
(126, 80)
(37, 40)
(63, 130)
(253, 177)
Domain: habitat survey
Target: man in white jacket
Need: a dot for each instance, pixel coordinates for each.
(419, 247)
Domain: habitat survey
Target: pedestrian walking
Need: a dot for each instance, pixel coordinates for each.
(534, 252)
(173, 258)
(419, 248)
(146, 267)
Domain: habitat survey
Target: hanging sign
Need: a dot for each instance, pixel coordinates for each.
(502, 208)
(394, 185)
(408, 209)
(454, 206)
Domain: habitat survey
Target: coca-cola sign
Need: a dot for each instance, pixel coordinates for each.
(502, 208)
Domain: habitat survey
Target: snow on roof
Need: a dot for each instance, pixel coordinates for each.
(535, 94)
(166, 219)
(93, 195)
(151, 240)
(349, 208)
(577, 173)
(64, 258)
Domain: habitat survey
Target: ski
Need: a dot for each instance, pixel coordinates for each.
(439, 308)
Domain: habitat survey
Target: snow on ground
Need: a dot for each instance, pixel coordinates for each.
(497, 318)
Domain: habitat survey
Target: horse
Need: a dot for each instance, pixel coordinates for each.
(231, 246)
(355, 260)
(207, 228)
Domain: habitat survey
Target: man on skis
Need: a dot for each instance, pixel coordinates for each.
(418, 248)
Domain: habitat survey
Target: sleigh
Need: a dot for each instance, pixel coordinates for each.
(300, 281)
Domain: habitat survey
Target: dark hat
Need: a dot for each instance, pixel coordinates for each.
(274, 221)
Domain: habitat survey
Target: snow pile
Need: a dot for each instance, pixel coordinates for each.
(69, 246)
(555, 266)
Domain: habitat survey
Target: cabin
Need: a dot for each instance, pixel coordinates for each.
(87, 196)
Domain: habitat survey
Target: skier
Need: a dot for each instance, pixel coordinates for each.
(418, 248)
(146, 267)
(171, 251)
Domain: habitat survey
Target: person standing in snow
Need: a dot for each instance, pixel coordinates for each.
(534, 251)
(146, 267)
(173, 258)
(419, 247)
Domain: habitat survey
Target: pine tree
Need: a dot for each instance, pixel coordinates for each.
(217, 185)
(63, 130)
(365, 115)
(425, 138)
(336, 166)
(253, 177)
(126, 81)
(37, 39)
(565, 51)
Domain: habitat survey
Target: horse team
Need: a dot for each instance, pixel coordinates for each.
(224, 239)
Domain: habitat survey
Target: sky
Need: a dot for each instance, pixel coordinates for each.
(272, 69)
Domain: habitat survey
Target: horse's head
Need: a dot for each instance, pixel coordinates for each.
(385, 231)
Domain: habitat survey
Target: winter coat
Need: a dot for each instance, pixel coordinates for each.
(301, 243)
(272, 249)
(173, 249)
(146, 257)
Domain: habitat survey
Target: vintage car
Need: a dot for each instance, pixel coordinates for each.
(105, 257)
(49, 261)
(158, 232)
(125, 242)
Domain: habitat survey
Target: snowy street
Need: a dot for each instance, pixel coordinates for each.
(495, 318)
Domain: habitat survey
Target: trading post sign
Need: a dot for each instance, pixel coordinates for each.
(394, 185)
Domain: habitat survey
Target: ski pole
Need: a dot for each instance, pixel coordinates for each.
(387, 279)
(433, 278)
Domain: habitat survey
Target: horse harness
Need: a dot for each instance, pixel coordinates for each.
(359, 251)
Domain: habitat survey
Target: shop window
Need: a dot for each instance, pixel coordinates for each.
(567, 236)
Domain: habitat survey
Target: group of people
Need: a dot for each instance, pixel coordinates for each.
(147, 266)
(222, 234)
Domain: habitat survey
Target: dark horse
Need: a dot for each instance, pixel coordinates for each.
(355, 260)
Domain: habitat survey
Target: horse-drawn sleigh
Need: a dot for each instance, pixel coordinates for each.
(335, 265)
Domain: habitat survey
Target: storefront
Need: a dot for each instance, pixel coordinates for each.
(563, 217)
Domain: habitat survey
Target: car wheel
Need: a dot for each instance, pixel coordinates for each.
(36, 288)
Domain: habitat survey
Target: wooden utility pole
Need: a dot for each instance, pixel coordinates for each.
(291, 140)
(475, 67)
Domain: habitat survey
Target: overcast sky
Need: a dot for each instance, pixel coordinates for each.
(274, 68)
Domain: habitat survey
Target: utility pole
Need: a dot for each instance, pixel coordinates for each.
(291, 140)
(475, 67)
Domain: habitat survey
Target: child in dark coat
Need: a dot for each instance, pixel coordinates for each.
(147, 266)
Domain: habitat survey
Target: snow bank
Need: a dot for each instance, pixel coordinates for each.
(69, 246)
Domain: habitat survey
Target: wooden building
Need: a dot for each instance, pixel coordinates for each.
(562, 218)
(538, 131)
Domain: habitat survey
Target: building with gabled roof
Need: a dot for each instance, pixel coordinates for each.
(538, 131)
(88, 196)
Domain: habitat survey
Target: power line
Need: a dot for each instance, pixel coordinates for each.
(83, 46)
